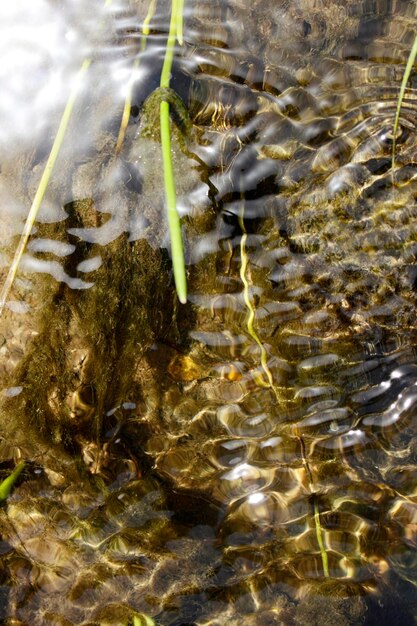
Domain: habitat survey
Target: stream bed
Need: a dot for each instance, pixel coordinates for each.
(248, 457)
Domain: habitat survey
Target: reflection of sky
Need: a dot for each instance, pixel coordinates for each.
(42, 45)
(34, 49)
(256, 498)
(243, 470)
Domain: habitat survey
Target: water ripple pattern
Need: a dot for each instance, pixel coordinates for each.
(248, 458)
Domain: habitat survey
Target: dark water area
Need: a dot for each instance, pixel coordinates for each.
(248, 457)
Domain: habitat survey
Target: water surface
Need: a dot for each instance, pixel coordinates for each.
(249, 457)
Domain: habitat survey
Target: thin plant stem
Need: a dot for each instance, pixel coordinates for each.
(174, 223)
(319, 536)
(180, 20)
(8, 483)
(406, 76)
(128, 100)
(169, 51)
(316, 515)
(43, 184)
(250, 325)
(250, 322)
(143, 620)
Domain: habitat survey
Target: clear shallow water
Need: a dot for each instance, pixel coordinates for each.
(247, 458)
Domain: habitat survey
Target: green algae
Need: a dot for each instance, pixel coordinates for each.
(110, 325)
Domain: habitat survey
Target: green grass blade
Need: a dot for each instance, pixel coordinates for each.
(406, 76)
(250, 319)
(7, 484)
(319, 535)
(143, 620)
(126, 109)
(174, 223)
(146, 22)
(180, 21)
(169, 52)
(128, 100)
(40, 192)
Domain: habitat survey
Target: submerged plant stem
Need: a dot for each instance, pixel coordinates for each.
(40, 192)
(248, 302)
(317, 522)
(174, 223)
(169, 51)
(319, 535)
(43, 184)
(128, 100)
(180, 20)
(7, 484)
(406, 76)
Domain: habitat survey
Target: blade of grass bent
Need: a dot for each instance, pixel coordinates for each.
(406, 76)
(174, 223)
(128, 100)
(40, 192)
(7, 484)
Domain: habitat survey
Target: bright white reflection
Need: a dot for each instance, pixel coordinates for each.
(54, 269)
(256, 498)
(32, 43)
(241, 471)
(408, 402)
(42, 45)
(71, 35)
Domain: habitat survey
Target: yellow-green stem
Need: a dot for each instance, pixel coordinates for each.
(174, 223)
(128, 100)
(248, 302)
(406, 76)
(143, 620)
(180, 16)
(43, 184)
(169, 51)
(319, 535)
(7, 484)
(317, 522)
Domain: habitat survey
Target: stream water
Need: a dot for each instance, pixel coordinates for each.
(249, 457)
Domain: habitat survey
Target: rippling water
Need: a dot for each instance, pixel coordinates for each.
(248, 457)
